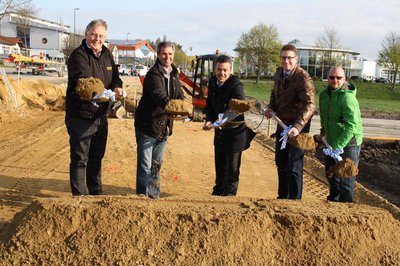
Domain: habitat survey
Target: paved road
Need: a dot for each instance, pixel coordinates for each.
(372, 127)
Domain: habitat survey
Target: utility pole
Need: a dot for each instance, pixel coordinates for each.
(75, 9)
(126, 52)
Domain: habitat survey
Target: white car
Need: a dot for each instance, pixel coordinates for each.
(140, 70)
(124, 70)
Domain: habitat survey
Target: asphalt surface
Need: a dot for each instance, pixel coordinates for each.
(373, 128)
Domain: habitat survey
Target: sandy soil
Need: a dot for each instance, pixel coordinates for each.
(41, 223)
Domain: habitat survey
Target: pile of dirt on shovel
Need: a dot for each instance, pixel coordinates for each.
(203, 231)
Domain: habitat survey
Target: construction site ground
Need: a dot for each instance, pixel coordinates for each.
(41, 223)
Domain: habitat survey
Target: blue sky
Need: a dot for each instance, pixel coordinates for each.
(208, 25)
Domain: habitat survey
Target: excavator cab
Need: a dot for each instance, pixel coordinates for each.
(204, 69)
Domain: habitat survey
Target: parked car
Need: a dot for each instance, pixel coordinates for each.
(382, 80)
(358, 78)
(124, 70)
(140, 70)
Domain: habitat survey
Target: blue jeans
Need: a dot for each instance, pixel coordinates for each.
(150, 154)
(342, 189)
(289, 162)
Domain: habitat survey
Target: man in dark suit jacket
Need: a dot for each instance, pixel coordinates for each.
(230, 139)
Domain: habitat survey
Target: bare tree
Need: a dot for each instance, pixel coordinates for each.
(24, 22)
(329, 41)
(11, 5)
(260, 48)
(389, 56)
(68, 44)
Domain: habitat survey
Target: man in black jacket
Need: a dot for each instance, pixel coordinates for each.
(152, 124)
(229, 140)
(86, 121)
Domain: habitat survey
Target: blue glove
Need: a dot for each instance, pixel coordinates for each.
(335, 154)
(284, 135)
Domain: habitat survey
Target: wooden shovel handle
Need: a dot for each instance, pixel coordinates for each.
(326, 143)
(278, 120)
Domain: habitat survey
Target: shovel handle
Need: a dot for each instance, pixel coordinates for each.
(326, 143)
(278, 120)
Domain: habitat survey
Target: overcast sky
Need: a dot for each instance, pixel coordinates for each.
(207, 25)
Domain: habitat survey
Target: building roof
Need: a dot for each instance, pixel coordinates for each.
(9, 40)
(301, 46)
(135, 46)
(37, 22)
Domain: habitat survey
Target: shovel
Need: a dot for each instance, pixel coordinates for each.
(343, 168)
(301, 141)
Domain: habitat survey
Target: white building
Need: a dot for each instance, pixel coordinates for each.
(42, 36)
(138, 51)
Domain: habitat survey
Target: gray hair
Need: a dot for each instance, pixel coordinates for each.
(96, 22)
(165, 44)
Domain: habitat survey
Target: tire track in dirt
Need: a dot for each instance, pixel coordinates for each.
(32, 160)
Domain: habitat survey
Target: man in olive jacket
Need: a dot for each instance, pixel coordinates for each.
(152, 124)
(229, 140)
(86, 121)
(292, 99)
(341, 125)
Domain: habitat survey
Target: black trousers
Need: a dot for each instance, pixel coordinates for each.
(87, 139)
(227, 169)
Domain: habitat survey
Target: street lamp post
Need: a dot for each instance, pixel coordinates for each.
(75, 9)
(126, 52)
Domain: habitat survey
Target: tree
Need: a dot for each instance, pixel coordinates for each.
(389, 56)
(68, 44)
(25, 14)
(260, 48)
(329, 41)
(11, 5)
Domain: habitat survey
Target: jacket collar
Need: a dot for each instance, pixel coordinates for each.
(160, 68)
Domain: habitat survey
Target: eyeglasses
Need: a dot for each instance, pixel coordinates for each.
(283, 58)
(335, 77)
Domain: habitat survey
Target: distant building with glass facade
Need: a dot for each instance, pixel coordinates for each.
(317, 61)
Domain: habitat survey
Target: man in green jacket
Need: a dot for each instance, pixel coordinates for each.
(342, 127)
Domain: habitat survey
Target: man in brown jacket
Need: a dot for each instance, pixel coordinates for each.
(292, 99)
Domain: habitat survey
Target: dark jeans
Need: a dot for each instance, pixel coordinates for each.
(150, 154)
(289, 162)
(227, 170)
(87, 139)
(342, 189)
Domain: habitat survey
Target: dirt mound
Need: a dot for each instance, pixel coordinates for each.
(346, 168)
(139, 231)
(178, 107)
(303, 141)
(36, 94)
(240, 106)
(87, 88)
